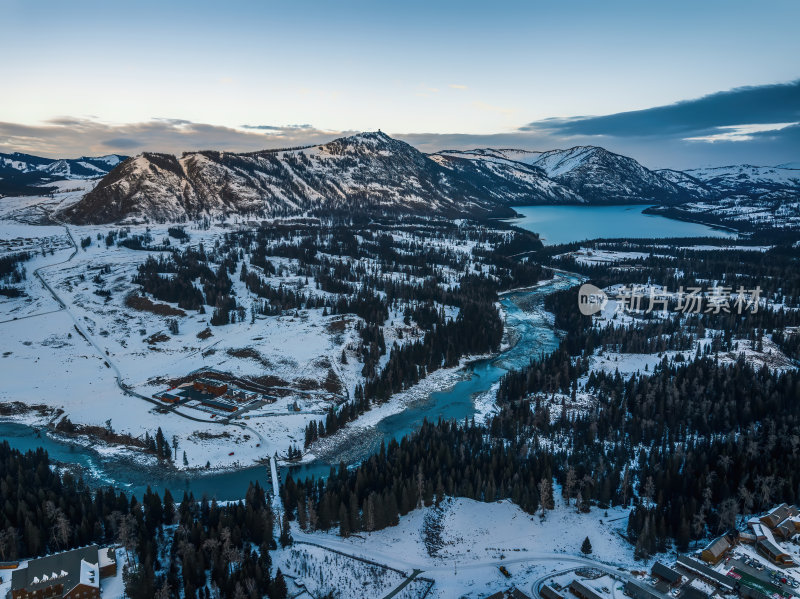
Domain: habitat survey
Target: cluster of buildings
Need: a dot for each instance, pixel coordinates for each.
(716, 572)
(740, 575)
(74, 574)
(782, 523)
(665, 580)
(211, 393)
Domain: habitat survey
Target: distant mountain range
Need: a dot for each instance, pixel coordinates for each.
(24, 174)
(581, 175)
(374, 173)
(368, 172)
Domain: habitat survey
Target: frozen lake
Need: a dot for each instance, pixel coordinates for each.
(566, 224)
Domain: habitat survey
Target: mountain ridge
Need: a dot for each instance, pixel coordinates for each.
(372, 172)
(26, 174)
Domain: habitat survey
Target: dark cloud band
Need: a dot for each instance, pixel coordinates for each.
(778, 103)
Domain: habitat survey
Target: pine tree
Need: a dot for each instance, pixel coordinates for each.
(285, 538)
(277, 589)
(586, 546)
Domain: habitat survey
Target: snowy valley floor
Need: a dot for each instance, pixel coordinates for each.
(475, 540)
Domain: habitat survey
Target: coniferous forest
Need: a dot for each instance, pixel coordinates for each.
(691, 445)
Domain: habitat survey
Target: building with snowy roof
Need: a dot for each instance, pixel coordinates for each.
(70, 574)
(664, 572)
(548, 592)
(581, 591)
(638, 591)
(778, 514)
(716, 550)
(787, 528)
(773, 553)
(697, 567)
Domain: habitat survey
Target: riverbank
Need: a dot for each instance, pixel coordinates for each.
(668, 212)
(463, 391)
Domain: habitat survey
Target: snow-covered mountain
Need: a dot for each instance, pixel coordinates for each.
(25, 174)
(506, 179)
(583, 174)
(744, 197)
(693, 186)
(748, 180)
(374, 173)
(602, 177)
(365, 172)
(65, 168)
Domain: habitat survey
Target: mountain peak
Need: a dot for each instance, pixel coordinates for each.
(374, 135)
(367, 171)
(372, 143)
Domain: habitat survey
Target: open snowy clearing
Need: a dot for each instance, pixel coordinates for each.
(100, 343)
(476, 538)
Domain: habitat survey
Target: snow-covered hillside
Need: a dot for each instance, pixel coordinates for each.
(505, 178)
(583, 174)
(742, 196)
(375, 173)
(21, 174)
(601, 176)
(69, 168)
(745, 179)
(369, 171)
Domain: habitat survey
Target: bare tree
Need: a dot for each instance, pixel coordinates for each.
(546, 495)
(61, 529)
(3, 544)
(649, 490)
(232, 555)
(420, 486)
(313, 518)
(211, 546)
(725, 462)
(728, 513)
(747, 498)
(764, 490)
(707, 495)
(569, 484)
(126, 536)
(626, 483)
(699, 524)
(164, 592)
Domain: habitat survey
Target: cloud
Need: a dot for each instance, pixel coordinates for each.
(698, 118)
(121, 143)
(66, 136)
(276, 128)
(457, 86)
(739, 132)
(756, 125)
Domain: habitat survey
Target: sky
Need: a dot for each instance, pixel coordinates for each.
(675, 84)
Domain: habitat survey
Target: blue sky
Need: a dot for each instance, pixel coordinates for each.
(91, 77)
